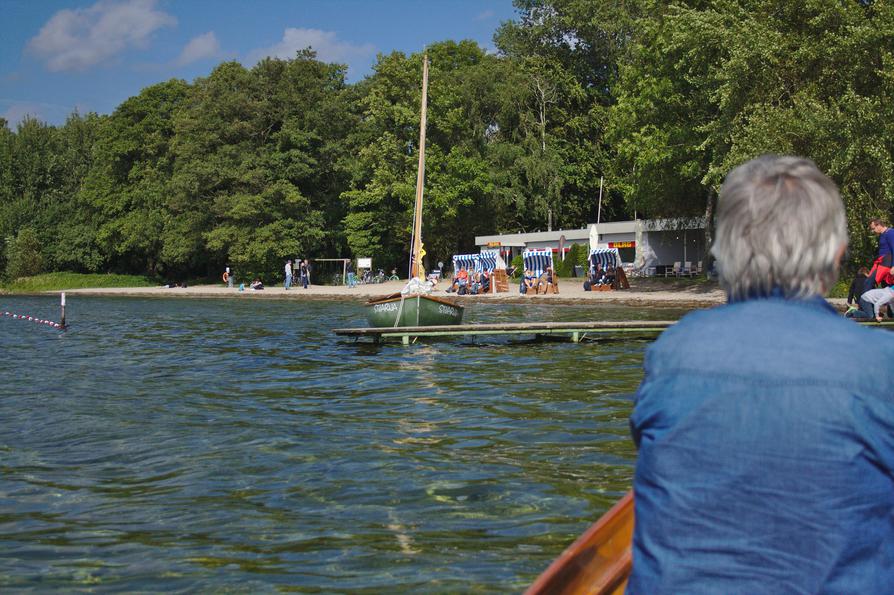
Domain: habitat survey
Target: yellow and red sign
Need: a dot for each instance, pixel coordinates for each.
(622, 244)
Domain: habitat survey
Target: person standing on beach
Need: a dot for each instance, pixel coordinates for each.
(304, 272)
(766, 450)
(288, 281)
(882, 265)
(352, 278)
(228, 277)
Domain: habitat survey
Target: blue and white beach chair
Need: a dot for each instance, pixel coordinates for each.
(488, 260)
(469, 261)
(607, 257)
(538, 260)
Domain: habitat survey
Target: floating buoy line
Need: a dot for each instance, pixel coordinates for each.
(33, 319)
(51, 323)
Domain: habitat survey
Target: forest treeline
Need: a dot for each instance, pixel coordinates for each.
(249, 166)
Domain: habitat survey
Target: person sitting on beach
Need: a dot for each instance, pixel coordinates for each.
(597, 277)
(765, 426)
(485, 282)
(256, 284)
(527, 282)
(455, 283)
(609, 278)
(548, 282)
(475, 283)
(462, 281)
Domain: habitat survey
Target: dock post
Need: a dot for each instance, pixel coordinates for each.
(62, 322)
(405, 339)
(575, 337)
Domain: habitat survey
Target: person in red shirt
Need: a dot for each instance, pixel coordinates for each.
(882, 265)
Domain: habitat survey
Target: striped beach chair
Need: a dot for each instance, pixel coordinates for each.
(537, 260)
(487, 260)
(470, 261)
(607, 257)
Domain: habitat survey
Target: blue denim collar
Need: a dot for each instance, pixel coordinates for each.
(776, 294)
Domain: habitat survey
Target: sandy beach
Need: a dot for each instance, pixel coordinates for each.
(642, 292)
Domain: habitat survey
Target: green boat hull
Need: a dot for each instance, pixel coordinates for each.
(414, 310)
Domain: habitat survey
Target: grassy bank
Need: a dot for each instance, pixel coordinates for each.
(62, 281)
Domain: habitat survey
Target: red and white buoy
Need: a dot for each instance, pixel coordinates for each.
(40, 320)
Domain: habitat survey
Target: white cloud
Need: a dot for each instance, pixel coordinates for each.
(483, 16)
(328, 47)
(80, 38)
(199, 48)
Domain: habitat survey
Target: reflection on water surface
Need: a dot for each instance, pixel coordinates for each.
(202, 444)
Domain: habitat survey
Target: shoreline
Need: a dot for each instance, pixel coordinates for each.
(643, 293)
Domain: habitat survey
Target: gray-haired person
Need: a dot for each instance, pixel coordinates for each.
(766, 452)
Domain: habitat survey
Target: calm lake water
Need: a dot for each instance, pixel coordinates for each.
(180, 444)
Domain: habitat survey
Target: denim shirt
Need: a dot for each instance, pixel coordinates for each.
(765, 431)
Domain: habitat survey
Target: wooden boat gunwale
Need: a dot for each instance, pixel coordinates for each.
(605, 551)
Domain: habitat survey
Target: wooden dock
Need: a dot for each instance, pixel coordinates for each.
(576, 331)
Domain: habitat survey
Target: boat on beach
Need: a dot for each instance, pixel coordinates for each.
(413, 306)
(599, 562)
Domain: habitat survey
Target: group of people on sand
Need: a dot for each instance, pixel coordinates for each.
(303, 267)
(470, 283)
(303, 270)
(872, 291)
(610, 277)
(532, 284)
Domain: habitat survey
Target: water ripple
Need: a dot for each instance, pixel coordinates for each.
(184, 445)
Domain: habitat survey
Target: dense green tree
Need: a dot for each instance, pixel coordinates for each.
(256, 168)
(457, 178)
(565, 52)
(249, 166)
(24, 257)
(707, 85)
(125, 193)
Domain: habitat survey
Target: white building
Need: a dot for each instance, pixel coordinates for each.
(651, 244)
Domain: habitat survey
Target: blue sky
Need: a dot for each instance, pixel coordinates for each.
(57, 56)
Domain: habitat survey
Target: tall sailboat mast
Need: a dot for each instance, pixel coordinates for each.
(417, 252)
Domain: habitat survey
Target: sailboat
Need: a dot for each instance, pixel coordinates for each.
(414, 308)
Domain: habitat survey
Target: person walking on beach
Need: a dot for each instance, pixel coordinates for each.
(882, 265)
(766, 458)
(288, 281)
(228, 277)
